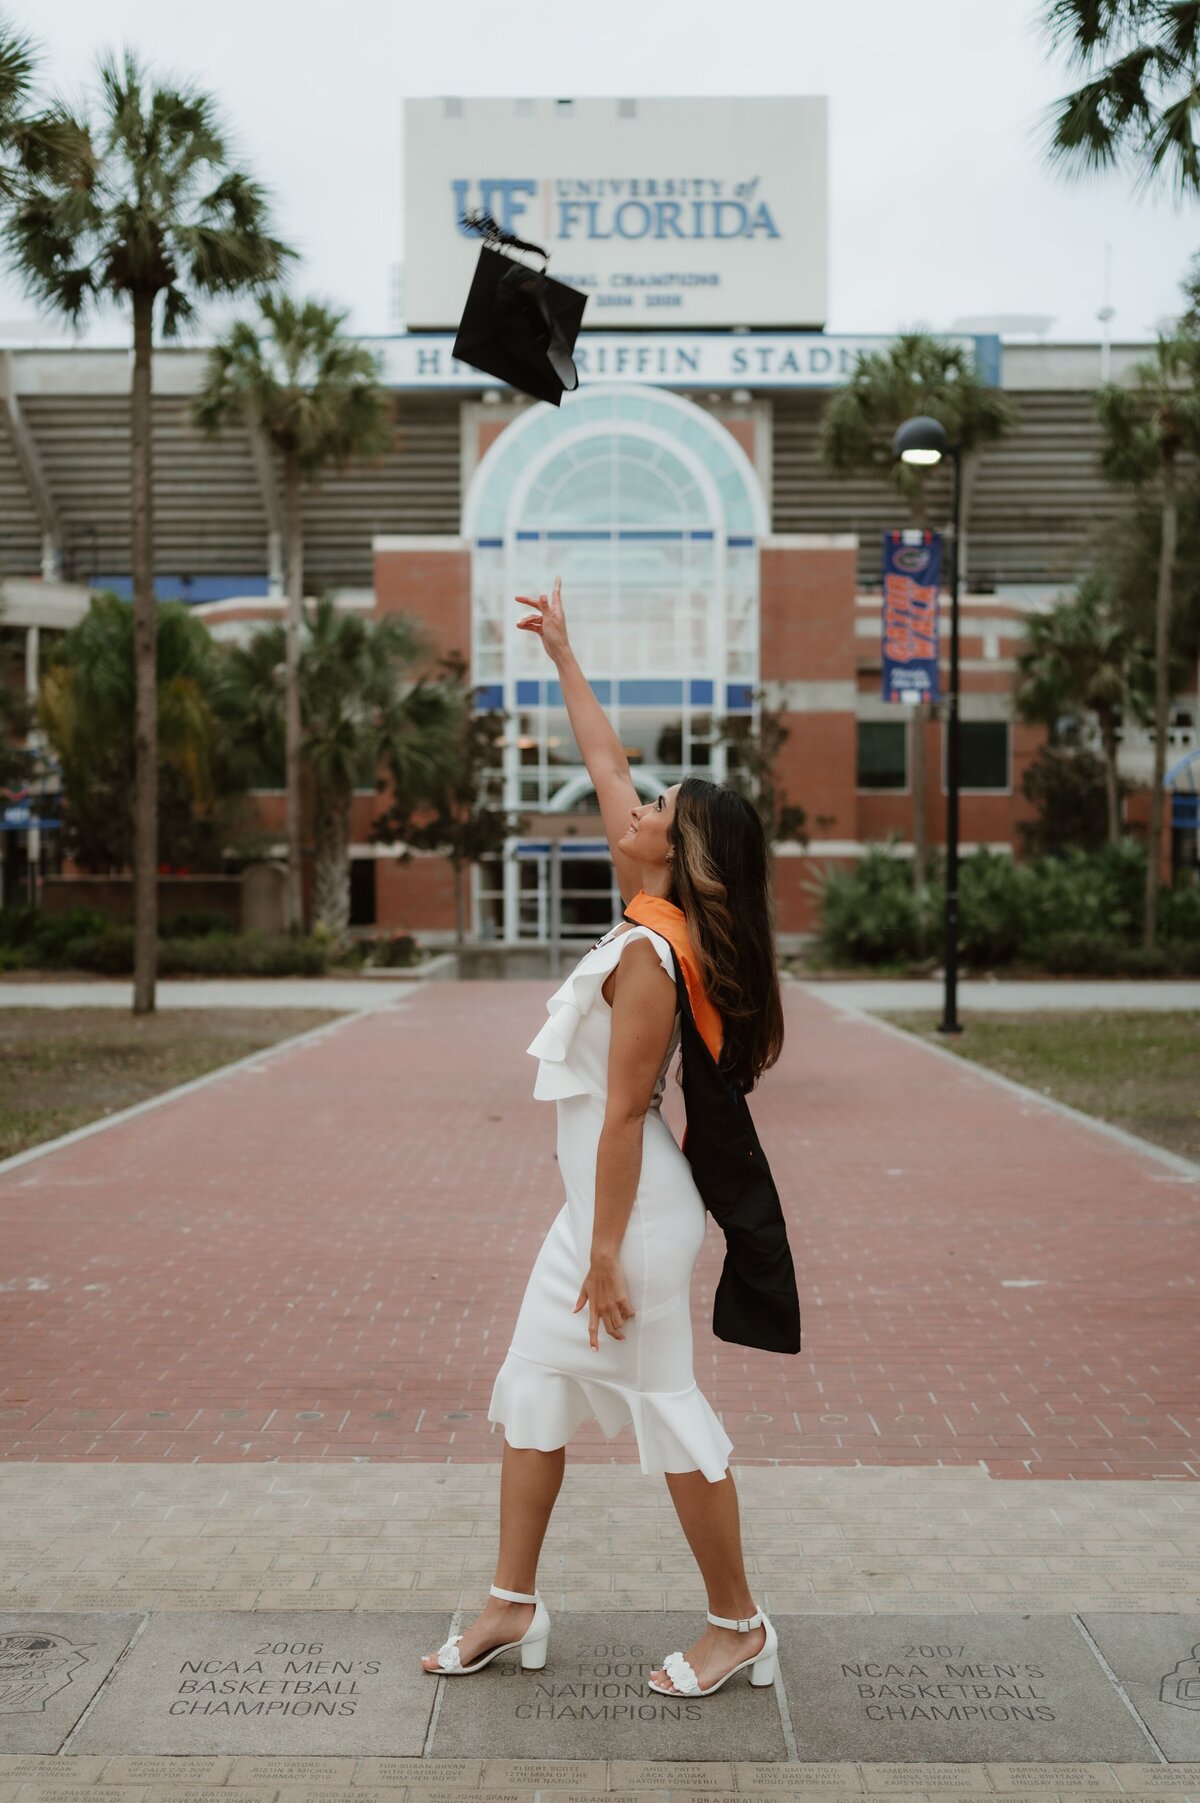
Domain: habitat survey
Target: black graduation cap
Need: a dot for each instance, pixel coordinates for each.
(519, 323)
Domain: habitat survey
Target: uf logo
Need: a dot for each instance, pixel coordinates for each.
(501, 197)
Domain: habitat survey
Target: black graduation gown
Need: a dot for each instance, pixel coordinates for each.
(756, 1302)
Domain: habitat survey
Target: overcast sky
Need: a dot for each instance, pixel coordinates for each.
(940, 203)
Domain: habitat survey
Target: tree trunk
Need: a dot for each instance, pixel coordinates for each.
(331, 879)
(145, 653)
(1112, 787)
(294, 507)
(1162, 689)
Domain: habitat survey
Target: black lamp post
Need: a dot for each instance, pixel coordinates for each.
(925, 441)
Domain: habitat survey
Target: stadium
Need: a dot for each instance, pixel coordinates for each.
(713, 565)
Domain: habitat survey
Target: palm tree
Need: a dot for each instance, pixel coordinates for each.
(1138, 63)
(917, 373)
(32, 139)
(1085, 656)
(464, 818)
(86, 709)
(362, 705)
(151, 214)
(1147, 428)
(316, 397)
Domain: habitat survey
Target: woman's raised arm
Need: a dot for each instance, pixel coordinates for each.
(601, 749)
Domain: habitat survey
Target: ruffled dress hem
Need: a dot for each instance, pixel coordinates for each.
(541, 1406)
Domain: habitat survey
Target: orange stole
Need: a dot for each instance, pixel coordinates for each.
(664, 917)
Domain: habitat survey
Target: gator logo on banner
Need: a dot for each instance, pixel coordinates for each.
(912, 574)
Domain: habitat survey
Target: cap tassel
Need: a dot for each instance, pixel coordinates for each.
(489, 228)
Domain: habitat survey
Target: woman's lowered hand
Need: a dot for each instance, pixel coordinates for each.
(605, 1292)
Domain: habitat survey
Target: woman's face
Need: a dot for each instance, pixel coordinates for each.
(645, 838)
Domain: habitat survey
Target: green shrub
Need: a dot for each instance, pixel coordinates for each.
(395, 951)
(1097, 893)
(244, 954)
(42, 941)
(1152, 961)
(1179, 914)
(1185, 955)
(994, 903)
(17, 926)
(1078, 913)
(196, 925)
(1081, 954)
(872, 914)
(109, 953)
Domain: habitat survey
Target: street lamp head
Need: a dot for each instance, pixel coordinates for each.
(920, 440)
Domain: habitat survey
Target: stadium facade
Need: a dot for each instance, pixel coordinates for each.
(711, 565)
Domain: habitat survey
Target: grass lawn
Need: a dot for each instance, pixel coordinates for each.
(60, 1068)
(1139, 1071)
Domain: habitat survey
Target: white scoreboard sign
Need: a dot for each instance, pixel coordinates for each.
(668, 213)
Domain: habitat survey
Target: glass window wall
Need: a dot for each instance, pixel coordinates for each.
(647, 509)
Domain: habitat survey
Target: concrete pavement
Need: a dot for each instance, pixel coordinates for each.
(869, 994)
(202, 992)
(183, 1632)
(247, 1474)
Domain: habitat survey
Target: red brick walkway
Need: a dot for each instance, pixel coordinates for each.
(324, 1258)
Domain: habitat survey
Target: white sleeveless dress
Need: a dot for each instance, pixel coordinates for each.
(551, 1379)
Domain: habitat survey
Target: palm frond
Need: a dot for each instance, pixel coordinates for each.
(1171, 149)
(917, 373)
(1080, 26)
(314, 393)
(137, 192)
(1137, 101)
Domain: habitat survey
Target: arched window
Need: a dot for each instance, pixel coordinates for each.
(651, 513)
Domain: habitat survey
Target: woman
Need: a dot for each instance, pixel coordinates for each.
(693, 861)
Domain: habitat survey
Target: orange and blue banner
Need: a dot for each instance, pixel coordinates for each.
(912, 574)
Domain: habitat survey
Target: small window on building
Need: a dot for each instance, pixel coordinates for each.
(882, 754)
(982, 754)
(362, 892)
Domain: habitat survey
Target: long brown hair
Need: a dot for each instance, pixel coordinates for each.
(720, 879)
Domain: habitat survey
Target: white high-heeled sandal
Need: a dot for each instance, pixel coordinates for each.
(762, 1664)
(532, 1644)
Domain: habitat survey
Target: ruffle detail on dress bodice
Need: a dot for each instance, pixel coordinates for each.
(676, 1430)
(558, 1074)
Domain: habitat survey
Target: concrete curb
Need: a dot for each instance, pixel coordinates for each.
(441, 969)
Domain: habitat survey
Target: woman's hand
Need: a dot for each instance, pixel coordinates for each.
(547, 621)
(607, 1299)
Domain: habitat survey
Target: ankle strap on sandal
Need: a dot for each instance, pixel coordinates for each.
(514, 1596)
(732, 1621)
